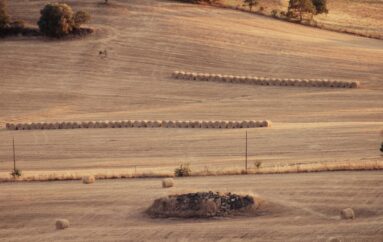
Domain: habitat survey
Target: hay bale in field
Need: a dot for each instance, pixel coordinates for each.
(175, 74)
(84, 125)
(244, 124)
(88, 179)
(231, 125)
(167, 182)
(266, 123)
(181, 75)
(347, 213)
(223, 124)
(355, 84)
(196, 124)
(156, 124)
(62, 224)
(216, 124)
(205, 124)
(220, 78)
(170, 124)
(251, 124)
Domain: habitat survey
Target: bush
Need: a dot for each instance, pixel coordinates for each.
(381, 147)
(274, 13)
(81, 17)
(320, 6)
(257, 164)
(16, 173)
(183, 170)
(4, 17)
(58, 19)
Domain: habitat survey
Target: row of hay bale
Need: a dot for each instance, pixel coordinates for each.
(264, 81)
(141, 124)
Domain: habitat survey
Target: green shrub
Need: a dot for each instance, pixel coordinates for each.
(58, 19)
(16, 173)
(4, 17)
(183, 170)
(257, 164)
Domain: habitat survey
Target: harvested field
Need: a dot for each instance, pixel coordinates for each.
(303, 207)
(56, 82)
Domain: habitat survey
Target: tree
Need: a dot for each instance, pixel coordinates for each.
(4, 17)
(320, 6)
(81, 17)
(250, 3)
(58, 19)
(301, 7)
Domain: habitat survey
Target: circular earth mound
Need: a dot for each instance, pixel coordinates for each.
(202, 204)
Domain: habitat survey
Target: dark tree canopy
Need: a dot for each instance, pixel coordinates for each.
(4, 17)
(250, 3)
(58, 19)
(320, 6)
(301, 7)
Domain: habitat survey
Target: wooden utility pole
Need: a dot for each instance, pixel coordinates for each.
(246, 154)
(14, 154)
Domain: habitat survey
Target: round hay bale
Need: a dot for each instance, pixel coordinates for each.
(97, 125)
(175, 74)
(184, 124)
(205, 124)
(217, 78)
(154, 124)
(333, 84)
(55, 125)
(304, 83)
(290, 82)
(197, 124)
(84, 125)
(258, 124)
(76, 125)
(136, 124)
(265, 123)
(167, 182)
(334, 239)
(251, 124)
(244, 124)
(181, 75)
(223, 124)
(347, 213)
(216, 124)
(355, 84)
(170, 124)
(88, 179)
(104, 124)
(231, 125)
(62, 224)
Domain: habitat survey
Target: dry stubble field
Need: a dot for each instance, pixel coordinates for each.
(44, 80)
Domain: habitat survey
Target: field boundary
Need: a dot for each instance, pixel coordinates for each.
(142, 124)
(264, 81)
(41, 176)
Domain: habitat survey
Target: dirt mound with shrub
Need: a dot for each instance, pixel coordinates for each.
(202, 204)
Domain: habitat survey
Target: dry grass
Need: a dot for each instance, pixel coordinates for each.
(165, 173)
(361, 18)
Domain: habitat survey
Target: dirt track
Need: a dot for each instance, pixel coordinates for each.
(300, 207)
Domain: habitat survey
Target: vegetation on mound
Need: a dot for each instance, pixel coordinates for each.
(57, 20)
(201, 205)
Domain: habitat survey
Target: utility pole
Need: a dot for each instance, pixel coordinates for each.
(14, 154)
(246, 154)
